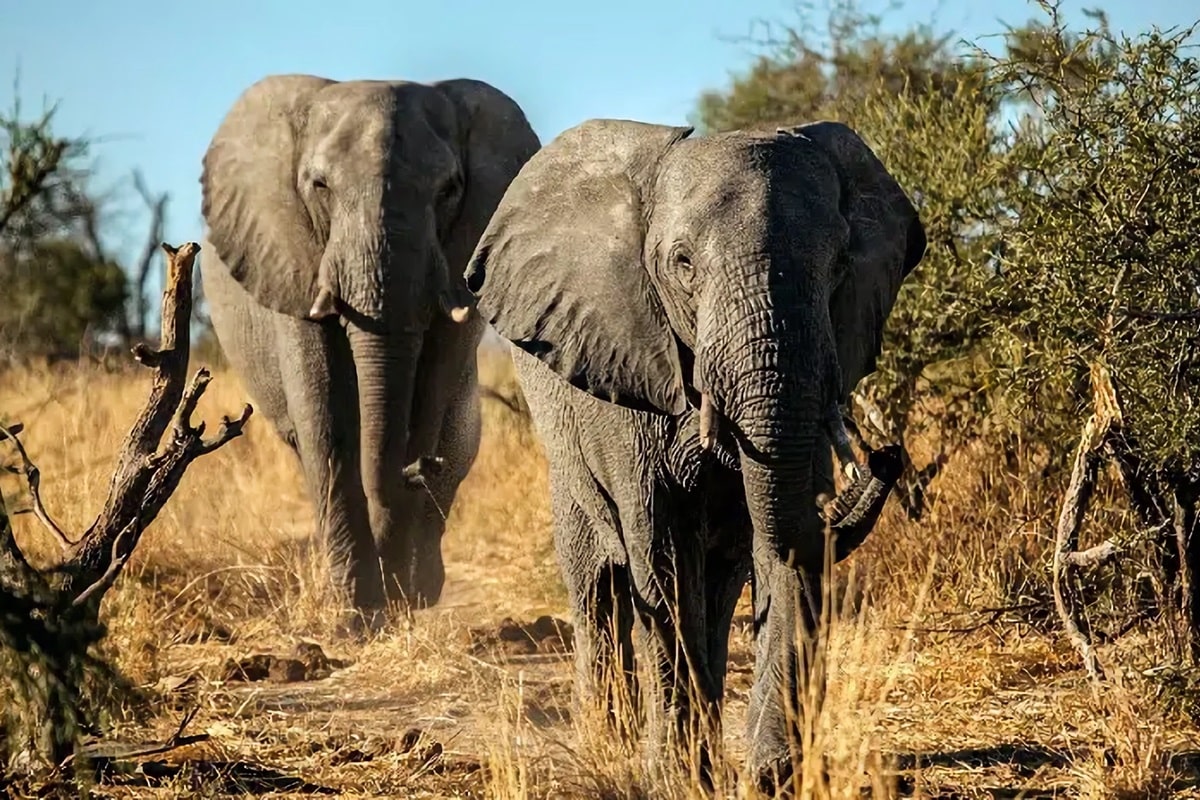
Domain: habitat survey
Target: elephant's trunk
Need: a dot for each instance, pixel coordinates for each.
(385, 363)
(779, 425)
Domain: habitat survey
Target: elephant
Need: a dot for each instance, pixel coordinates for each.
(339, 218)
(688, 317)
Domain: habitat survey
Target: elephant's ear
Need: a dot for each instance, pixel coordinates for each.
(256, 221)
(887, 241)
(495, 141)
(559, 271)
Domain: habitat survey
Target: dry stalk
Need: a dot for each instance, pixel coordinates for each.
(1068, 560)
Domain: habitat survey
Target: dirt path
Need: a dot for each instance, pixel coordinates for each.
(480, 690)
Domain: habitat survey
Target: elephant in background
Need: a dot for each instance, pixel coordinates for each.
(340, 216)
(688, 317)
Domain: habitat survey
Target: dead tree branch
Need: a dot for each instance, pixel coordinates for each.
(53, 613)
(33, 478)
(158, 449)
(1067, 559)
(145, 476)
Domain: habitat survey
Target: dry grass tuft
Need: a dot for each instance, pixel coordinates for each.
(924, 698)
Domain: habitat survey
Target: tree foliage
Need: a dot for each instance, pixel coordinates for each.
(1101, 264)
(63, 293)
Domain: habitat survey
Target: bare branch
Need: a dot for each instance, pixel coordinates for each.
(158, 211)
(33, 477)
(152, 461)
(230, 429)
(1162, 316)
(121, 550)
(1093, 440)
(1093, 557)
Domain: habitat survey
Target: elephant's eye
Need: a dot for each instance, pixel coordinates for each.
(684, 272)
(318, 182)
(449, 192)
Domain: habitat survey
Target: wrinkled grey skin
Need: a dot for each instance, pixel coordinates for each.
(340, 216)
(635, 270)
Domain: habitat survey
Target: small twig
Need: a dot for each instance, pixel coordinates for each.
(120, 554)
(33, 477)
(146, 355)
(1162, 316)
(111, 751)
(230, 429)
(182, 425)
(993, 617)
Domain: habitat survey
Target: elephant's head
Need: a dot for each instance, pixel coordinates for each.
(747, 275)
(355, 205)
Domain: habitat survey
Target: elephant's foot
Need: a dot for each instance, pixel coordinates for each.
(360, 625)
(783, 777)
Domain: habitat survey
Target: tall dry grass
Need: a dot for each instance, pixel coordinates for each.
(932, 682)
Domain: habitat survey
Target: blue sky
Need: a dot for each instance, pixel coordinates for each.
(151, 80)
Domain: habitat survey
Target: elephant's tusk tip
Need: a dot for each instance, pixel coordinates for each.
(324, 306)
(460, 314)
(708, 422)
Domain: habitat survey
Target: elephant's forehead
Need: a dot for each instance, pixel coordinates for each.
(379, 102)
(711, 169)
(366, 116)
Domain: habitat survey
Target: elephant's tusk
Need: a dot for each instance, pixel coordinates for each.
(841, 444)
(324, 306)
(708, 422)
(457, 313)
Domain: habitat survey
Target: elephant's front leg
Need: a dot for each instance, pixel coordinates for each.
(671, 595)
(318, 381)
(788, 676)
(598, 593)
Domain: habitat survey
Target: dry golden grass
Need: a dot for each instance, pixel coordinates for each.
(227, 571)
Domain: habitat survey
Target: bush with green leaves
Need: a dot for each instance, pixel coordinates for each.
(59, 296)
(1101, 260)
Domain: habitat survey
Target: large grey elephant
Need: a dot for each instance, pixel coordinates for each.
(340, 216)
(689, 317)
